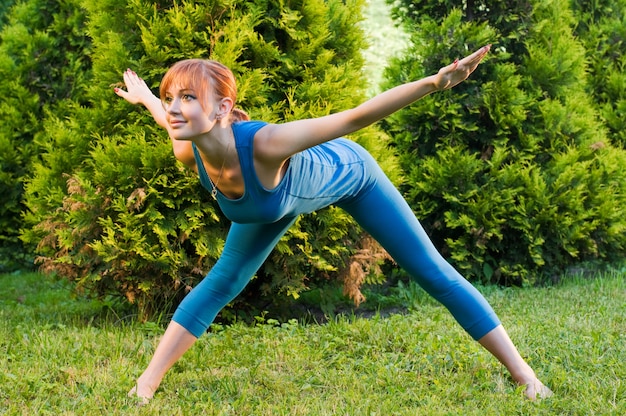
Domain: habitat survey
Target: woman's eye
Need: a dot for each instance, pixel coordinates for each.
(167, 100)
(188, 97)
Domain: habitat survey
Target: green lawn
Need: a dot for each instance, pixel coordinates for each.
(63, 355)
(66, 355)
(385, 39)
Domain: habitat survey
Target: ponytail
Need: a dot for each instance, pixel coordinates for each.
(238, 114)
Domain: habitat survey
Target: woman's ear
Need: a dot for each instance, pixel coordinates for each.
(225, 107)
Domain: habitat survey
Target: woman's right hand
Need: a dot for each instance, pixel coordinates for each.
(137, 91)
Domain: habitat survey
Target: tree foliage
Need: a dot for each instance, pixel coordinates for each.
(601, 27)
(110, 207)
(517, 174)
(42, 63)
(512, 171)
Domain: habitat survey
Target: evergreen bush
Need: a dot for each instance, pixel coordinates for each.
(601, 26)
(5, 6)
(111, 208)
(511, 172)
(42, 51)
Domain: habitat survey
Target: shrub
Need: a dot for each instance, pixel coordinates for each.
(42, 50)
(601, 26)
(111, 208)
(511, 172)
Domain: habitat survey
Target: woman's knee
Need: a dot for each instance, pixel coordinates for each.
(436, 276)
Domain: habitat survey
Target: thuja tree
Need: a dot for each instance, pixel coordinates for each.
(113, 210)
(511, 171)
(5, 5)
(42, 51)
(602, 29)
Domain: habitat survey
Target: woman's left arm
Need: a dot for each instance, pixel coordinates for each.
(277, 142)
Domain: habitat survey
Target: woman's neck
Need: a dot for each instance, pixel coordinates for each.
(221, 161)
(217, 145)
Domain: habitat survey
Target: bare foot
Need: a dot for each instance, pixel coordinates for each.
(537, 390)
(144, 394)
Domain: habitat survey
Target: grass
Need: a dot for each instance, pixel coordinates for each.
(64, 355)
(385, 38)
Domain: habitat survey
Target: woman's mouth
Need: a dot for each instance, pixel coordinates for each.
(176, 123)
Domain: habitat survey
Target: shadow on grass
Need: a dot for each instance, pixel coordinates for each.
(27, 297)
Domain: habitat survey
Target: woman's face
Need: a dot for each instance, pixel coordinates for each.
(185, 115)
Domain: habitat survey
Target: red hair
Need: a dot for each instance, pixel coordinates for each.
(202, 76)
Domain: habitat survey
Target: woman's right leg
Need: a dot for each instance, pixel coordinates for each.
(246, 248)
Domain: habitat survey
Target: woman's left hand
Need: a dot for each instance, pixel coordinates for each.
(459, 70)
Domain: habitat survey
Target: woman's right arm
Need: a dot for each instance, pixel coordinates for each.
(137, 92)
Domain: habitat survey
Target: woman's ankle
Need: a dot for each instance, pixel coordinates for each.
(523, 374)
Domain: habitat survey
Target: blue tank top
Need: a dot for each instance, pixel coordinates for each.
(315, 178)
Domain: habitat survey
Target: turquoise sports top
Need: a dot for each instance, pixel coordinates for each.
(315, 178)
(337, 172)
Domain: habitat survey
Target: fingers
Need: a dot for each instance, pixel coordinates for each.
(132, 79)
(471, 61)
(459, 70)
(134, 89)
(120, 92)
(468, 64)
(475, 58)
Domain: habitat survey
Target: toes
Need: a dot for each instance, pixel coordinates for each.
(544, 392)
(141, 400)
(537, 390)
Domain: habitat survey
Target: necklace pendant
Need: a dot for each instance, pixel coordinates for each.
(214, 193)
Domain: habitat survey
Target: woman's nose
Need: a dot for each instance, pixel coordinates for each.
(173, 106)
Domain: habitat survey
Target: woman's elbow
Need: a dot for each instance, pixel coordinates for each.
(183, 152)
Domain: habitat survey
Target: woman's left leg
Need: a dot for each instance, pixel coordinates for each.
(386, 216)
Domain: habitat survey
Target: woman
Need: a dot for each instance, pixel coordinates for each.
(265, 175)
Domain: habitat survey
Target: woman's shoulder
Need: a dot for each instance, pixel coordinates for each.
(248, 128)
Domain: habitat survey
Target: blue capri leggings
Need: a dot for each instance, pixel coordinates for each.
(381, 210)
